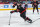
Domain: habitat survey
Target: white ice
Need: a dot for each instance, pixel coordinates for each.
(17, 21)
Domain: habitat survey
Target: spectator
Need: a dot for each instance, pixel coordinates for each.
(11, 3)
(1, 2)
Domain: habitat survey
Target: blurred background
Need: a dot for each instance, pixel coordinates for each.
(11, 1)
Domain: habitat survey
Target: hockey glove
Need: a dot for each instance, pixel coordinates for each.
(11, 12)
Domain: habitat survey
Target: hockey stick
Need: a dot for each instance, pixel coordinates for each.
(35, 20)
(9, 19)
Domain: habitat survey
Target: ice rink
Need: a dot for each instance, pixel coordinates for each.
(17, 21)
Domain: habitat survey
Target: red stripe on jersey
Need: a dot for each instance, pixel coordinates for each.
(23, 11)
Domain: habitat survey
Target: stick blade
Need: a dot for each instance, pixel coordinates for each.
(8, 24)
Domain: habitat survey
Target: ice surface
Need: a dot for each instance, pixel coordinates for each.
(17, 21)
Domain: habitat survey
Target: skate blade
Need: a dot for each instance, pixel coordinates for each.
(27, 22)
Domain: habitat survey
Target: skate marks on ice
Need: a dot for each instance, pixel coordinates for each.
(24, 24)
(36, 20)
(19, 23)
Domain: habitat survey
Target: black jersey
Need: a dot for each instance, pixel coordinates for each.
(35, 3)
(20, 8)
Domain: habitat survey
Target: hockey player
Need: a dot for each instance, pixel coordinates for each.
(26, 3)
(35, 5)
(22, 12)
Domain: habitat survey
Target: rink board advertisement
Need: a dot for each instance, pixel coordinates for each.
(10, 7)
(7, 7)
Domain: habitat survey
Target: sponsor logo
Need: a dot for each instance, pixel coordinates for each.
(1, 6)
(38, 6)
(29, 6)
(6, 6)
(11, 6)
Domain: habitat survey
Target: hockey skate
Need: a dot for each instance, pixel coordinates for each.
(28, 20)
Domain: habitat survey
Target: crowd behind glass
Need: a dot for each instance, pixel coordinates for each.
(11, 2)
